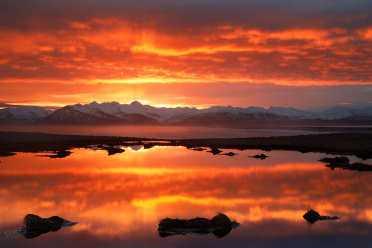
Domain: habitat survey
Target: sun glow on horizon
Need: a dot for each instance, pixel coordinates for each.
(118, 52)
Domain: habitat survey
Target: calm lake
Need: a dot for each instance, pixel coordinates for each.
(118, 200)
(185, 132)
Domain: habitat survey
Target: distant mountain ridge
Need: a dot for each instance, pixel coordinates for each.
(137, 113)
(23, 114)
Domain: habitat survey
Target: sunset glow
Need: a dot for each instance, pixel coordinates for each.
(53, 54)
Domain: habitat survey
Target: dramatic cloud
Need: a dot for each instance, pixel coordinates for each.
(80, 43)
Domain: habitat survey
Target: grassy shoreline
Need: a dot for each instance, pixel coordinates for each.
(358, 144)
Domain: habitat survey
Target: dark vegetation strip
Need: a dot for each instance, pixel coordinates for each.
(37, 142)
(359, 144)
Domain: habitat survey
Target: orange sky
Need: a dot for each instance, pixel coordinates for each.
(220, 52)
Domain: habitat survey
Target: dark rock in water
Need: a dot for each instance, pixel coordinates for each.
(221, 220)
(336, 160)
(214, 151)
(261, 156)
(360, 167)
(230, 154)
(199, 149)
(354, 166)
(114, 150)
(6, 154)
(60, 154)
(343, 163)
(220, 226)
(313, 216)
(34, 225)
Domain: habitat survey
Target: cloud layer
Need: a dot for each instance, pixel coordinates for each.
(290, 43)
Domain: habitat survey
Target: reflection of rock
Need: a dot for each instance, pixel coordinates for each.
(230, 154)
(261, 156)
(336, 160)
(199, 149)
(215, 151)
(113, 150)
(59, 154)
(136, 147)
(220, 226)
(149, 145)
(34, 226)
(313, 216)
(6, 154)
(343, 163)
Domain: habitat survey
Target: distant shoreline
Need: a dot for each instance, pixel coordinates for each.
(358, 144)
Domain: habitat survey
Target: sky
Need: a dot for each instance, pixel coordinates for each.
(289, 53)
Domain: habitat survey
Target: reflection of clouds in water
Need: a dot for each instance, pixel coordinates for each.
(118, 197)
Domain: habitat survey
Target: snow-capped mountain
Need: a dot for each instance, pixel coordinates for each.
(116, 112)
(293, 113)
(337, 112)
(137, 113)
(22, 114)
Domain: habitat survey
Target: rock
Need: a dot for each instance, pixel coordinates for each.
(198, 149)
(220, 226)
(313, 216)
(34, 225)
(343, 163)
(113, 150)
(336, 160)
(261, 156)
(214, 151)
(230, 154)
(221, 220)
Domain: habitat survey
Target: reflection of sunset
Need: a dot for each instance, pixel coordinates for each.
(131, 190)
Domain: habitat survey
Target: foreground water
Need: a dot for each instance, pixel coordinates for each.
(118, 200)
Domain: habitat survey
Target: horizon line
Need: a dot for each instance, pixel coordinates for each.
(54, 107)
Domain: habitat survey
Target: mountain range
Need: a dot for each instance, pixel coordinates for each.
(137, 113)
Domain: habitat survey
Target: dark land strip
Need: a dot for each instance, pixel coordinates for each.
(358, 144)
(11, 142)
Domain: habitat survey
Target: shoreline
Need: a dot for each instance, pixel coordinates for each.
(358, 144)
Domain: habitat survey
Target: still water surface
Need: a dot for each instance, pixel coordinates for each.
(118, 200)
(184, 132)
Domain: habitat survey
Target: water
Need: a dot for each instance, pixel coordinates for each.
(183, 132)
(118, 200)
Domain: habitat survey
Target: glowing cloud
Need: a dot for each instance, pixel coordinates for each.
(283, 43)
